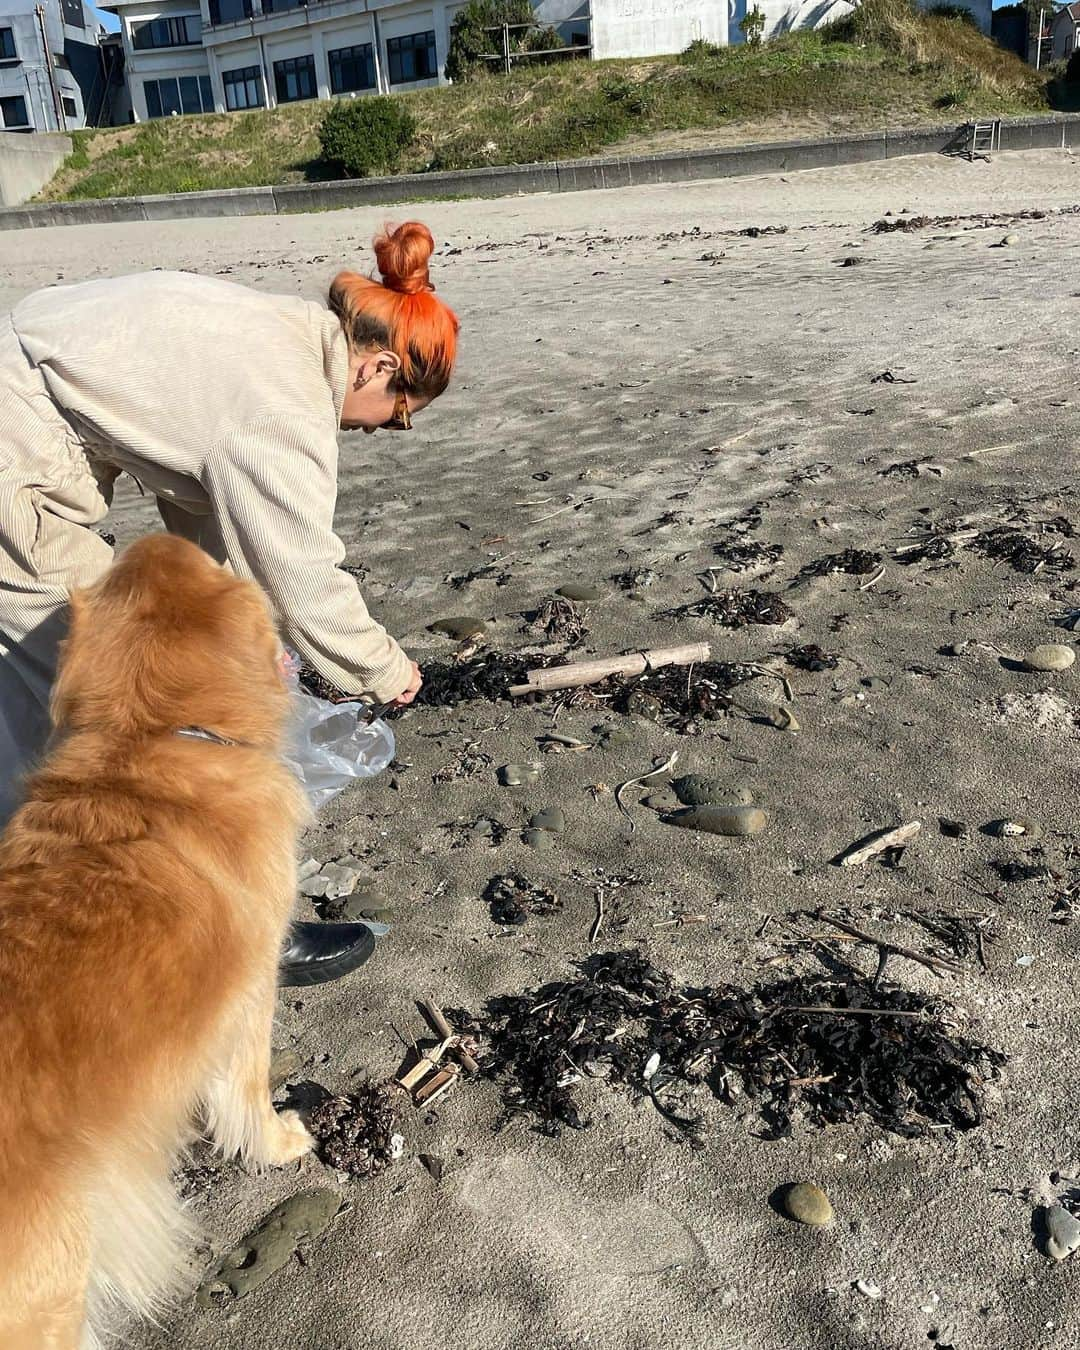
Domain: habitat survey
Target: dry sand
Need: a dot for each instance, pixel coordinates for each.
(653, 386)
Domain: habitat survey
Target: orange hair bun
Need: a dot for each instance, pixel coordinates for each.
(402, 256)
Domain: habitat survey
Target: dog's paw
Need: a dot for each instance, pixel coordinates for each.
(291, 1140)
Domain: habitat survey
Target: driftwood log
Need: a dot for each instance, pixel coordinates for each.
(591, 672)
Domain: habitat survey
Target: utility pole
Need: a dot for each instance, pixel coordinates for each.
(1038, 48)
(61, 120)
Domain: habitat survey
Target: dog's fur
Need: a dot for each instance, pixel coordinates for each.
(145, 888)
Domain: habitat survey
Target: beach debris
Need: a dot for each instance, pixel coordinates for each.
(806, 1203)
(606, 885)
(1014, 827)
(513, 898)
(519, 775)
(433, 1165)
(759, 231)
(636, 578)
(460, 629)
(560, 620)
(826, 1051)
(784, 719)
(868, 1289)
(887, 377)
(1049, 657)
(654, 772)
(954, 829)
(856, 562)
(736, 608)
(487, 677)
(1021, 551)
(811, 657)
(740, 556)
(727, 820)
(881, 841)
(270, 1245)
(540, 840)
(355, 1133)
(1070, 620)
(940, 965)
(1062, 1232)
(429, 1078)
(553, 744)
(591, 672)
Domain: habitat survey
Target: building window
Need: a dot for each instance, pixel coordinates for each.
(7, 45)
(70, 107)
(168, 98)
(13, 113)
(412, 58)
(295, 79)
(185, 31)
(229, 11)
(352, 68)
(243, 88)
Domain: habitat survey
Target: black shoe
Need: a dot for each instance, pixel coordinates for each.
(316, 953)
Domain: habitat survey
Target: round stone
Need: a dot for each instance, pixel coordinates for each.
(516, 775)
(1049, 657)
(806, 1203)
(584, 594)
(541, 840)
(1010, 240)
(1062, 1232)
(460, 629)
(698, 789)
(729, 820)
(551, 819)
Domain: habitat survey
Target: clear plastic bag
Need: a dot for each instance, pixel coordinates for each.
(328, 745)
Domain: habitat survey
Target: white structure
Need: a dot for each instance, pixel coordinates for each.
(785, 16)
(1064, 34)
(47, 51)
(637, 27)
(186, 56)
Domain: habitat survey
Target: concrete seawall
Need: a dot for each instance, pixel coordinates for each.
(27, 161)
(1029, 133)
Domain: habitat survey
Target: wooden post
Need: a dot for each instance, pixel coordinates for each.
(506, 47)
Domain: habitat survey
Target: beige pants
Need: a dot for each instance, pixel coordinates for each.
(50, 498)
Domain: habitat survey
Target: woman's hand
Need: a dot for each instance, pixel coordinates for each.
(411, 689)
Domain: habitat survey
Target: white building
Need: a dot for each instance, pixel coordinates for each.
(785, 16)
(186, 56)
(50, 65)
(637, 27)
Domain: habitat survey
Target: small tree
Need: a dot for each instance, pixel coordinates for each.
(368, 135)
(752, 26)
(470, 43)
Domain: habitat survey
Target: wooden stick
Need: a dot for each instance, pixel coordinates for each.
(852, 1012)
(873, 844)
(442, 1027)
(590, 672)
(883, 944)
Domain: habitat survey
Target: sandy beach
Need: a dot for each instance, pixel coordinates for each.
(637, 374)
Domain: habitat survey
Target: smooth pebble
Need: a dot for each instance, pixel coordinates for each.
(460, 628)
(729, 820)
(541, 840)
(806, 1203)
(515, 775)
(551, 819)
(699, 789)
(574, 591)
(1063, 1232)
(1049, 657)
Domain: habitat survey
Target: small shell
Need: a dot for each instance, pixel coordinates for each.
(651, 1065)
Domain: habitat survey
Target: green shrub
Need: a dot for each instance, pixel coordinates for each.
(358, 137)
(699, 50)
(752, 26)
(470, 43)
(946, 11)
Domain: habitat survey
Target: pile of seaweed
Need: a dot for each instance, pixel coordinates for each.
(679, 696)
(736, 608)
(486, 676)
(829, 1050)
(1023, 552)
(356, 1134)
(856, 562)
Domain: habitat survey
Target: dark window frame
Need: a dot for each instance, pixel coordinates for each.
(9, 53)
(343, 59)
(405, 50)
(298, 67)
(70, 107)
(242, 78)
(5, 125)
(160, 34)
(154, 92)
(246, 12)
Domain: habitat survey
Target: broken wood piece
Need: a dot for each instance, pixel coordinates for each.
(935, 963)
(426, 1064)
(451, 1040)
(873, 844)
(434, 1088)
(590, 672)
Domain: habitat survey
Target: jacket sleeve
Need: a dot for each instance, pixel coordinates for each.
(272, 485)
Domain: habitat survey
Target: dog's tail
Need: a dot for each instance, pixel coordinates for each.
(140, 1242)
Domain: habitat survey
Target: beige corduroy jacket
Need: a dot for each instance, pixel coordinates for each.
(226, 404)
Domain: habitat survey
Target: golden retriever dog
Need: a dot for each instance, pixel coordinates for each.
(145, 888)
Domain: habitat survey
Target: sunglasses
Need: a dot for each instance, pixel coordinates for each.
(400, 419)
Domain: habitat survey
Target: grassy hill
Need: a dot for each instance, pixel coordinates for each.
(884, 65)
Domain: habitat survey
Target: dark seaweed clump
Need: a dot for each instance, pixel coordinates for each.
(737, 608)
(811, 657)
(1021, 551)
(488, 676)
(739, 557)
(795, 1045)
(856, 562)
(355, 1134)
(512, 899)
